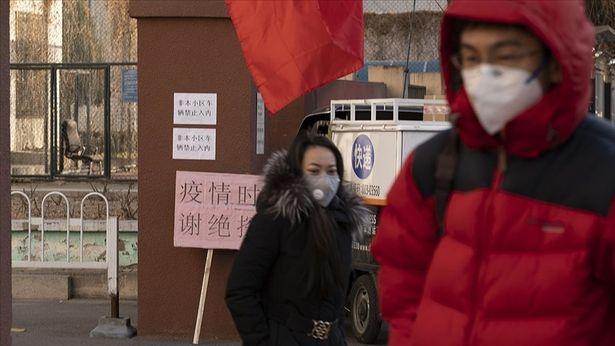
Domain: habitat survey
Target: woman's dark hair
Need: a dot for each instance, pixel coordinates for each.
(302, 143)
(323, 269)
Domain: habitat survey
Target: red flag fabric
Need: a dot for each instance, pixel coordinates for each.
(293, 47)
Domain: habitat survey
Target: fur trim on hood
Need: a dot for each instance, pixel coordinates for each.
(287, 195)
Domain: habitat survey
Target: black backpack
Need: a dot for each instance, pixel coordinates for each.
(446, 165)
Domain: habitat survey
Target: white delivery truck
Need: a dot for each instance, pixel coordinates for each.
(374, 136)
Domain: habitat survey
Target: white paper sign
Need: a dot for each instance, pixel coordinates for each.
(194, 144)
(194, 109)
(260, 125)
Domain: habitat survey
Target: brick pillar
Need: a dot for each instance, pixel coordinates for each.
(190, 46)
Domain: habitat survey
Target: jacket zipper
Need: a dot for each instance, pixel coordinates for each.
(482, 241)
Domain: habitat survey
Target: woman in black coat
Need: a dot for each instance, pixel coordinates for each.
(289, 280)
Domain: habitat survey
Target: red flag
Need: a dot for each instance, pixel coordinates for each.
(293, 47)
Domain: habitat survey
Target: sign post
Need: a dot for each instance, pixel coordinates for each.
(199, 316)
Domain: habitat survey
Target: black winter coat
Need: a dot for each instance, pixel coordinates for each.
(267, 276)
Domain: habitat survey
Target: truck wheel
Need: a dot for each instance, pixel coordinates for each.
(364, 311)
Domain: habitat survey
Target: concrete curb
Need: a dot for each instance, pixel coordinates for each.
(62, 284)
(41, 286)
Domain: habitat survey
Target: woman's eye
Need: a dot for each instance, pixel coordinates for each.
(332, 172)
(314, 172)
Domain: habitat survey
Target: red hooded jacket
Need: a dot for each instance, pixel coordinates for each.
(528, 255)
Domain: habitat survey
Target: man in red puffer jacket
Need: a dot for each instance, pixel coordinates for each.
(526, 253)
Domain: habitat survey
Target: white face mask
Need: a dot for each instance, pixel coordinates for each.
(499, 93)
(323, 187)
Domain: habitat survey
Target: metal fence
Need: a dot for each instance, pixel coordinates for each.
(99, 98)
(400, 36)
(76, 31)
(393, 25)
(37, 259)
(36, 228)
(73, 60)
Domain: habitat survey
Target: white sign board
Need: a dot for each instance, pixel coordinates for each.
(371, 158)
(260, 125)
(194, 109)
(194, 144)
(370, 161)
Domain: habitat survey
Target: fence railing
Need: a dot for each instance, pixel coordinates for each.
(111, 262)
(22, 194)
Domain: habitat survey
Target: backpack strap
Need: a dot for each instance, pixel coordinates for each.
(446, 166)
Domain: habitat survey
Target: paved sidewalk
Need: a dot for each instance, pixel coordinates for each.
(67, 323)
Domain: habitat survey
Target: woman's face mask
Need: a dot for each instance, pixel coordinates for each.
(323, 187)
(320, 171)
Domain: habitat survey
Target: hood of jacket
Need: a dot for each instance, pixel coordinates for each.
(563, 27)
(287, 195)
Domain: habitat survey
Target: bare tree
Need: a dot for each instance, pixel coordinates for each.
(601, 12)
